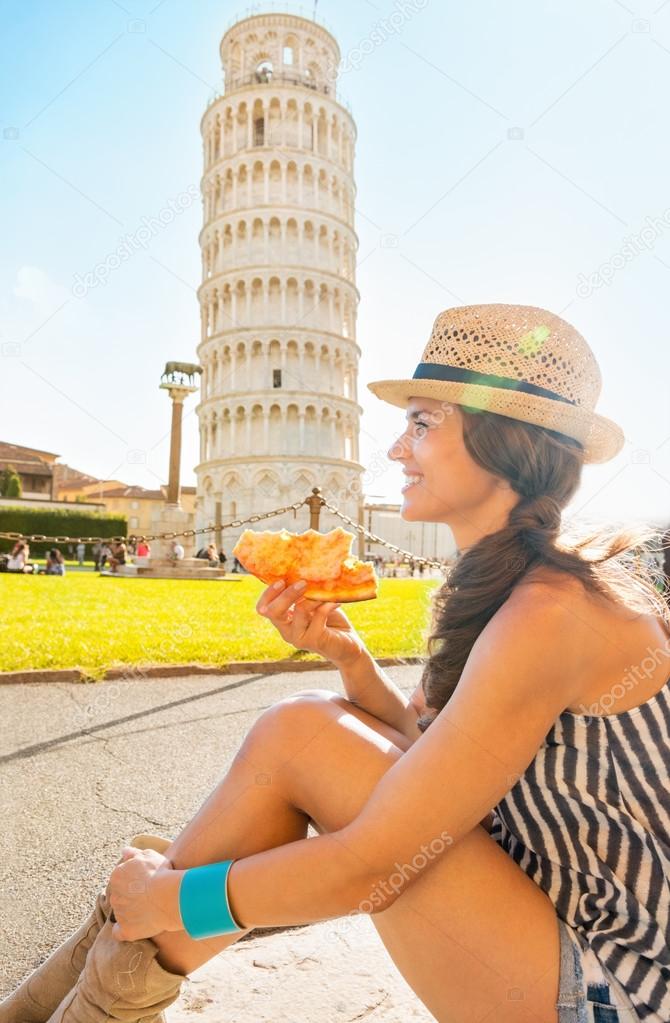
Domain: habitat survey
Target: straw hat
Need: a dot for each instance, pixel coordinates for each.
(518, 361)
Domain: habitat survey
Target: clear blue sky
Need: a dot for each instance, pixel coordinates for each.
(506, 152)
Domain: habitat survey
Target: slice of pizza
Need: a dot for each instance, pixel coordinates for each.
(323, 560)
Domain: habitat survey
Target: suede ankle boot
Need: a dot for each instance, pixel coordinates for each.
(41, 993)
(121, 981)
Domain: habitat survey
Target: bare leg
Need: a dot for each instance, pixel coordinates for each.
(292, 745)
(473, 935)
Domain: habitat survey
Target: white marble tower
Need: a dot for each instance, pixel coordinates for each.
(278, 413)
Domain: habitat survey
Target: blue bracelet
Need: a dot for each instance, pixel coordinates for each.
(203, 901)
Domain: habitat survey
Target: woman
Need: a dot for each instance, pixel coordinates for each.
(507, 828)
(55, 563)
(18, 559)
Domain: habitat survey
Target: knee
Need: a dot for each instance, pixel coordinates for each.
(296, 718)
(306, 707)
(314, 698)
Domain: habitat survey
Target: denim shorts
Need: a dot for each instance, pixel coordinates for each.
(588, 993)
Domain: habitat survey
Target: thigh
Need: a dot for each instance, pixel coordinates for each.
(472, 935)
(476, 938)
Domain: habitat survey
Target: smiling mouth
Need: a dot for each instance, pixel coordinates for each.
(412, 481)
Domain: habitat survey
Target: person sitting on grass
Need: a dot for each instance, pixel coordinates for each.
(18, 559)
(55, 563)
(507, 827)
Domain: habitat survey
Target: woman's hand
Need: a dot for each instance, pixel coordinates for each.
(318, 626)
(144, 894)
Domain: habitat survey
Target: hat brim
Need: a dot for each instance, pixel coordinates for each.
(602, 438)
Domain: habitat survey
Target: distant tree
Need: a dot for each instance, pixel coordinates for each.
(10, 483)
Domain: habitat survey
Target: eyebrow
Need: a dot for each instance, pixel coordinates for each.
(417, 412)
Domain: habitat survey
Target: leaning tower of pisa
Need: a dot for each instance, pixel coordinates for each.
(278, 413)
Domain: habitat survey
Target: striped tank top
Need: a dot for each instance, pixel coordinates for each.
(589, 822)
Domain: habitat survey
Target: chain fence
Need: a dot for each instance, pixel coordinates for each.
(315, 501)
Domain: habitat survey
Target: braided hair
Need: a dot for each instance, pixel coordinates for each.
(544, 468)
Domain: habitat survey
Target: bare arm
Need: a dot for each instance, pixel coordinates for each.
(370, 688)
(322, 627)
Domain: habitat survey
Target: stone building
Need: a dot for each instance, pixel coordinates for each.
(34, 467)
(278, 411)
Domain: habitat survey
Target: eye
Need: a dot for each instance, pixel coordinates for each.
(420, 427)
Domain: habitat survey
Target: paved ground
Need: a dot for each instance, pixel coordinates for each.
(84, 767)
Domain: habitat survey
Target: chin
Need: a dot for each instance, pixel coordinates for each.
(411, 514)
(414, 514)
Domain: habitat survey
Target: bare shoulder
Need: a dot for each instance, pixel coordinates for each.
(548, 580)
(533, 647)
(546, 587)
(540, 612)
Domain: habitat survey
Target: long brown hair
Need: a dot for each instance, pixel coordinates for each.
(544, 468)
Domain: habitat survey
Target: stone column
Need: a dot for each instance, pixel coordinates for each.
(177, 394)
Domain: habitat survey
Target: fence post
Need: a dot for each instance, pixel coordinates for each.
(314, 503)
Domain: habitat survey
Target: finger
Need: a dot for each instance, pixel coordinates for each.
(305, 609)
(318, 621)
(129, 851)
(280, 605)
(309, 604)
(268, 595)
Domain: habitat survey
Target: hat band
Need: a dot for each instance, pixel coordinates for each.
(440, 371)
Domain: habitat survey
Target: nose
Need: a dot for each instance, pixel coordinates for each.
(398, 450)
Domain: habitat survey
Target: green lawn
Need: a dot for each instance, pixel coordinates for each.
(86, 621)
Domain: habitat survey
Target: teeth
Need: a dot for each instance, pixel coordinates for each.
(413, 479)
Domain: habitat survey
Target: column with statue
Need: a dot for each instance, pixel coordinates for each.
(178, 380)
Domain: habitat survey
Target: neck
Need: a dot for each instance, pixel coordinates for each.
(489, 517)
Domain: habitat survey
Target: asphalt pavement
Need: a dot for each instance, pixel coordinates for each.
(83, 767)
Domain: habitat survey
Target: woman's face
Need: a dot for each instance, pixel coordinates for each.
(443, 482)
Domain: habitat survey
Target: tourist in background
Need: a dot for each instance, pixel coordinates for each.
(81, 552)
(104, 555)
(55, 563)
(18, 559)
(118, 556)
